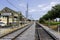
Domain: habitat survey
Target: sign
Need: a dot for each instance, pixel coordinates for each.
(6, 14)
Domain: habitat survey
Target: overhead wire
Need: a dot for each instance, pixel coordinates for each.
(12, 4)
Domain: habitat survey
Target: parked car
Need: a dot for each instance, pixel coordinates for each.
(2, 24)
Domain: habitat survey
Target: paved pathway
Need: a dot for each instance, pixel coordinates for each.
(54, 33)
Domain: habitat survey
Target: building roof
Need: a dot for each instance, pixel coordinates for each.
(7, 10)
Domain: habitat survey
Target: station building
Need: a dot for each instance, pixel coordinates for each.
(8, 15)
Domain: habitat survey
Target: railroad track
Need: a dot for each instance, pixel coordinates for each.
(14, 35)
(21, 33)
(42, 34)
(29, 34)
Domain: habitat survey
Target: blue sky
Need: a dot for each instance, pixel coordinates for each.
(37, 8)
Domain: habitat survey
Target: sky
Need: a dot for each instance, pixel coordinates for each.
(36, 8)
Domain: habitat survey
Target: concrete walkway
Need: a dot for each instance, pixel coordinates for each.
(56, 34)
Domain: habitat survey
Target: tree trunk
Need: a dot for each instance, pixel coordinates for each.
(49, 22)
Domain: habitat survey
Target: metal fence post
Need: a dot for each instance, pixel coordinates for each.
(58, 27)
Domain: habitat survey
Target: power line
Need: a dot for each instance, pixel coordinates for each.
(11, 4)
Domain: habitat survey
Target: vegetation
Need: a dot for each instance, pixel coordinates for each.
(51, 14)
(52, 23)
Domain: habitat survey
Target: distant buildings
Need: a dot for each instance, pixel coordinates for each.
(57, 19)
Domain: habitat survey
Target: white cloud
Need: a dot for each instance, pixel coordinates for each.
(40, 6)
(53, 3)
(49, 6)
(22, 5)
(32, 10)
(43, 7)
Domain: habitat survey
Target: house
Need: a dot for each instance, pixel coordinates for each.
(8, 15)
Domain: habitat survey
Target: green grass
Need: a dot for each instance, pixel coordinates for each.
(52, 23)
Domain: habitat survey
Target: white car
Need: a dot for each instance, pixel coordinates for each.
(2, 24)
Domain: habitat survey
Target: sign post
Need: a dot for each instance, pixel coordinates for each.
(58, 27)
(49, 22)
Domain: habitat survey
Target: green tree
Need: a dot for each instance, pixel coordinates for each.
(53, 13)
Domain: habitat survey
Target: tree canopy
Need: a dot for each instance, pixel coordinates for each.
(53, 13)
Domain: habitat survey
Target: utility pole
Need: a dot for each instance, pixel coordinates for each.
(58, 28)
(27, 12)
(49, 22)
